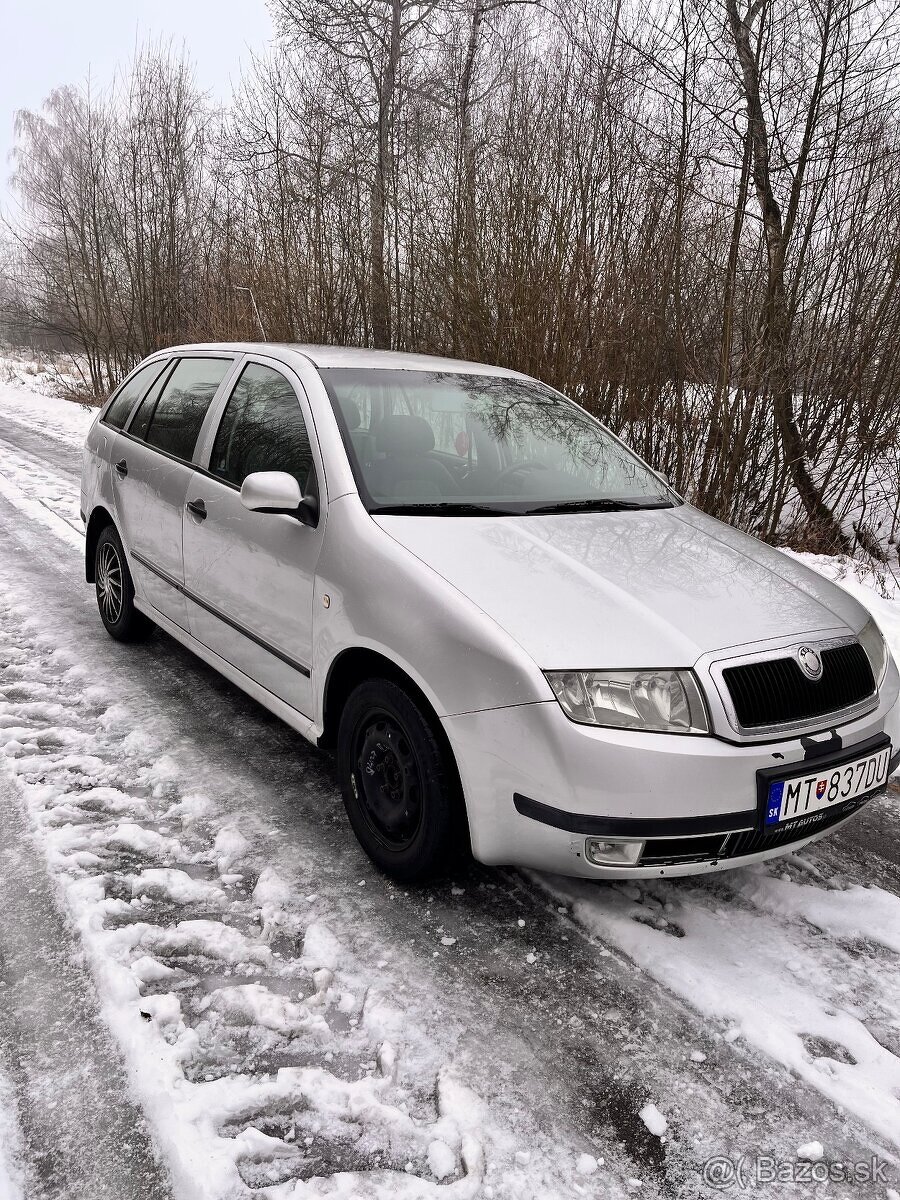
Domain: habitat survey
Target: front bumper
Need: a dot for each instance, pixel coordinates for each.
(623, 784)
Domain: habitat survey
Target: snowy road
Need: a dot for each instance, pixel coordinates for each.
(284, 1022)
(84, 1137)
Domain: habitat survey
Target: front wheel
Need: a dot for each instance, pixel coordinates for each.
(115, 590)
(399, 784)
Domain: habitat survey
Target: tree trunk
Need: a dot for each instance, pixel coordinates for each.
(777, 322)
(381, 301)
(466, 286)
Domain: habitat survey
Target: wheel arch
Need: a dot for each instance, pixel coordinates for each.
(99, 519)
(357, 664)
(353, 666)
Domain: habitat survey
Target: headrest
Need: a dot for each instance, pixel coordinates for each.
(351, 412)
(403, 434)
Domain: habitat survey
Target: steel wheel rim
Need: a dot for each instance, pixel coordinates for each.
(110, 585)
(387, 781)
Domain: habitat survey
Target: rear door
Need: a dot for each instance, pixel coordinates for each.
(104, 446)
(152, 467)
(249, 576)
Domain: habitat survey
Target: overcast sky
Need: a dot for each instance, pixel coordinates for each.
(46, 43)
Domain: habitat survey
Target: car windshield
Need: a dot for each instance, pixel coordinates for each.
(447, 444)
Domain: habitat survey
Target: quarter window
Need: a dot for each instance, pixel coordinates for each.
(262, 429)
(129, 394)
(188, 392)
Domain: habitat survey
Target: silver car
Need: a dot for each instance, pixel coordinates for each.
(513, 635)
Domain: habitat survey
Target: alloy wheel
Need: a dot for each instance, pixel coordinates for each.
(110, 591)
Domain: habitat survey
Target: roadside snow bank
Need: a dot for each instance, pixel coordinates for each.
(65, 420)
(777, 963)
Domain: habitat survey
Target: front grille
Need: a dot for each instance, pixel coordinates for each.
(776, 692)
(659, 851)
(754, 840)
(709, 847)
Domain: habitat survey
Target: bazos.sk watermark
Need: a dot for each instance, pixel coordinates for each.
(745, 1171)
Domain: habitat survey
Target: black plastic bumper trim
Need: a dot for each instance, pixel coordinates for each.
(633, 827)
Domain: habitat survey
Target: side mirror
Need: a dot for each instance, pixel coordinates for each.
(271, 491)
(278, 492)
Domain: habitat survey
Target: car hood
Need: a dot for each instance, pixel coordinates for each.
(645, 588)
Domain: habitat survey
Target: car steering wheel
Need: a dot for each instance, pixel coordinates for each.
(518, 468)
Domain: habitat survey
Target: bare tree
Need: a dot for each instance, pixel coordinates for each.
(685, 216)
(824, 56)
(370, 41)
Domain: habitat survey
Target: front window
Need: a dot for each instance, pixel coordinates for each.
(262, 429)
(439, 442)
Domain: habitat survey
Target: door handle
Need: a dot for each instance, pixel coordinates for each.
(122, 468)
(197, 508)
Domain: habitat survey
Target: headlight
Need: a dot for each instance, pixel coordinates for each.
(872, 641)
(657, 701)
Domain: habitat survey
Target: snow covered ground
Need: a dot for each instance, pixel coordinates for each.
(290, 1024)
(48, 375)
(11, 1148)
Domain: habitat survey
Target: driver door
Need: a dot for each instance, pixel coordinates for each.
(250, 576)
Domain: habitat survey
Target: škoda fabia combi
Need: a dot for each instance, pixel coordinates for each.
(509, 630)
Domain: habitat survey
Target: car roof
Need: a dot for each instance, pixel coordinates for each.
(351, 356)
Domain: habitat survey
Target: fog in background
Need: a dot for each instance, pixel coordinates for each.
(684, 214)
(47, 43)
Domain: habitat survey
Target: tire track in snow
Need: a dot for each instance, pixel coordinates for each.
(267, 1049)
(54, 427)
(42, 494)
(41, 448)
(80, 1134)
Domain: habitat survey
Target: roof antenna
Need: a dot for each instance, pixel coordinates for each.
(249, 292)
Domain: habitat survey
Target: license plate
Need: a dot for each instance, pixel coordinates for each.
(791, 798)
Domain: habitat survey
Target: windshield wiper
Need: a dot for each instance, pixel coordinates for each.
(439, 509)
(604, 504)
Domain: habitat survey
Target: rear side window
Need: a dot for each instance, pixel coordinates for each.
(262, 429)
(181, 407)
(128, 395)
(144, 411)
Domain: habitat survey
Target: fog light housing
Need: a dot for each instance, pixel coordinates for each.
(604, 852)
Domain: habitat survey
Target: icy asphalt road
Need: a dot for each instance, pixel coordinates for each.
(84, 1136)
(290, 1021)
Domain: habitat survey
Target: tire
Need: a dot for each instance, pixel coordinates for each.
(399, 784)
(115, 590)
